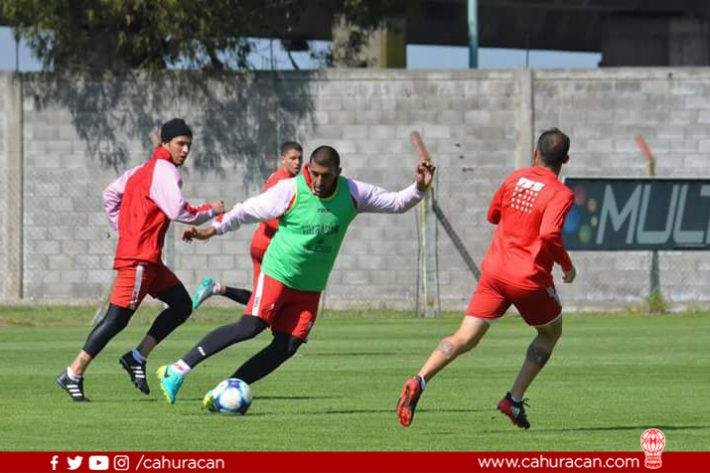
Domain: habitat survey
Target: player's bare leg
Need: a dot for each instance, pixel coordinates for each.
(464, 339)
(71, 380)
(467, 336)
(80, 363)
(536, 357)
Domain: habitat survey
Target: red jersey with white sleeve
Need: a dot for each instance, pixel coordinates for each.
(141, 203)
(529, 210)
(265, 231)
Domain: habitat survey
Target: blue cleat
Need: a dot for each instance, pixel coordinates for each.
(170, 382)
(204, 292)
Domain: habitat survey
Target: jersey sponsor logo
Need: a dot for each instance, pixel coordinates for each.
(525, 194)
(320, 229)
(526, 183)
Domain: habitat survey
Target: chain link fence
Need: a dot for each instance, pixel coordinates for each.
(67, 253)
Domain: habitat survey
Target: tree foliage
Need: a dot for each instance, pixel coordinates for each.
(154, 35)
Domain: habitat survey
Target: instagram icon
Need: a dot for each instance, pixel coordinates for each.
(121, 462)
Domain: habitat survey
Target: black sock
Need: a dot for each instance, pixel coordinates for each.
(220, 338)
(237, 295)
(281, 348)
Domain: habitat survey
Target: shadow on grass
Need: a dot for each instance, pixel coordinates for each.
(293, 398)
(122, 400)
(392, 411)
(353, 353)
(256, 398)
(630, 427)
(324, 412)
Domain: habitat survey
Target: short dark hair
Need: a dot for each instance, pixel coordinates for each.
(287, 146)
(553, 146)
(326, 156)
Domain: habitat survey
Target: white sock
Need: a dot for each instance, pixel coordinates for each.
(137, 356)
(181, 367)
(217, 288)
(72, 375)
(422, 382)
(515, 399)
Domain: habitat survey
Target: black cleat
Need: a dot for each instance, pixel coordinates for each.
(136, 371)
(75, 389)
(515, 411)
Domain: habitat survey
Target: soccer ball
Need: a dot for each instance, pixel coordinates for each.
(231, 396)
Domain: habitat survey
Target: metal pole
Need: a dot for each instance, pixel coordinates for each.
(17, 51)
(655, 276)
(12, 268)
(473, 34)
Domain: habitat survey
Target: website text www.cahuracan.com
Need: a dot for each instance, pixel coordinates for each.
(167, 463)
(541, 461)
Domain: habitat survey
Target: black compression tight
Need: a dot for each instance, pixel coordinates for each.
(114, 321)
(237, 295)
(281, 348)
(220, 338)
(179, 309)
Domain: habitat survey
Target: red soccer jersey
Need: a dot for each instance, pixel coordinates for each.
(144, 200)
(529, 209)
(266, 230)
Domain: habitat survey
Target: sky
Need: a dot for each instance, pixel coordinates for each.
(418, 57)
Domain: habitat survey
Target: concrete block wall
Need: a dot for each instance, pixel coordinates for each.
(603, 111)
(477, 124)
(3, 166)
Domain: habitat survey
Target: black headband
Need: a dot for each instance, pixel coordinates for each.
(173, 128)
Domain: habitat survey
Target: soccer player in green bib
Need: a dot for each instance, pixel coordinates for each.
(314, 210)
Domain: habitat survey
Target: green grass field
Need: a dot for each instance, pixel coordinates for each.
(612, 377)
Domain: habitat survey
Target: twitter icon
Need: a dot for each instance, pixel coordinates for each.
(74, 463)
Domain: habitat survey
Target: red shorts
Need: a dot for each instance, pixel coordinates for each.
(132, 283)
(257, 256)
(492, 298)
(286, 310)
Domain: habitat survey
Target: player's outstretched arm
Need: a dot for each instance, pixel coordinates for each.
(374, 199)
(195, 233)
(424, 175)
(266, 206)
(196, 215)
(217, 206)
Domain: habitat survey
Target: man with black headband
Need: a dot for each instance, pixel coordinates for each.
(140, 205)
